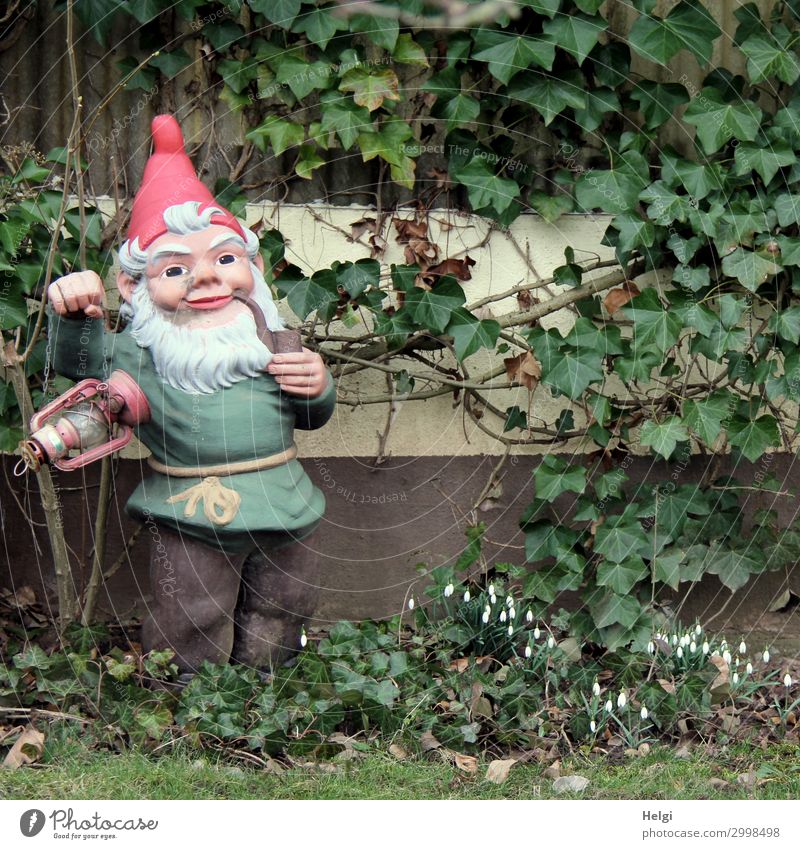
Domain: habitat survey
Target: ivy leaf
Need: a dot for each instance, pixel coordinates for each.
(787, 208)
(616, 190)
(408, 52)
(509, 54)
(280, 12)
(598, 103)
(665, 205)
(733, 568)
(622, 577)
(371, 88)
(355, 277)
(382, 31)
(667, 568)
(752, 437)
(344, 117)
(302, 77)
(689, 26)
(551, 207)
(282, 134)
(307, 161)
(671, 507)
(771, 56)
(765, 160)
(619, 538)
(515, 418)
(435, 309)
(543, 7)
(554, 476)
(315, 293)
(395, 327)
(458, 110)
(786, 323)
(613, 609)
(319, 26)
(471, 334)
(718, 121)
(98, 16)
(658, 101)
(705, 417)
(565, 368)
(749, 268)
(549, 95)
(577, 34)
(172, 63)
(484, 187)
(663, 437)
(652, 324)
(390, 144)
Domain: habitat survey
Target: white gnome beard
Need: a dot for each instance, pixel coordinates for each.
(200, 360)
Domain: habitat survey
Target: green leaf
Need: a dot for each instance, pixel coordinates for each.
(307, 161)
(435, 309)
(355, 277)
(471, 334)
(307, 295)
(598, 103)
(458, 110)
(668, 568)
(31, 172)
(718, 121)
(765, 160)
(302, 77)
(658, 101)
(663, 437)
(551, 207)
(705, 417)
(787, 208)
(509, 54)
(689, 26)
(771, 56)
(786, 323)
(611, 609)
(172, 63)
(344, 117)
(616, 190)
(549, 95)
(484, 187)
(665, 205)
(281, 12)
(652, 324)
(749, 268)
(554, 476)
(408, 52)
(568, 370)
(733, 568)
(622, 577)
(382, 31)
(99, 15)
(515, 418)
(282, 134)
(619, 538)
(577, 34)
(319, 26)
(371, 87)
(753, 437)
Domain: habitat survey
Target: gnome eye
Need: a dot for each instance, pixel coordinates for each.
(175, 271)
(226, 259)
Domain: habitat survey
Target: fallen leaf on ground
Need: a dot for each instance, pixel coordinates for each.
(428, 741)
(466, 763)
(570, 784)
(27, 749)
(398, 752)
(497, 771)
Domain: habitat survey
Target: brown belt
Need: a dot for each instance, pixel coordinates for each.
(224, 468)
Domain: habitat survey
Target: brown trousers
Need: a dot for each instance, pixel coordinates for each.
(248, 608)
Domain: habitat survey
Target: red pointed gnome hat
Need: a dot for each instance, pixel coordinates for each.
(169, 179)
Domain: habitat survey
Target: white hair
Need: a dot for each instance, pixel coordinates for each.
(197, 360)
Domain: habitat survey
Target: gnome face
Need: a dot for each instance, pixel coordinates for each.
(194, 276)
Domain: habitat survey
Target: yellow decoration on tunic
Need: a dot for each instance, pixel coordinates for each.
(220, 504)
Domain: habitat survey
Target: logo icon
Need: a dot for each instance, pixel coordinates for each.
(31, 822)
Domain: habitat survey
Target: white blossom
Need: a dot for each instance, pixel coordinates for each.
(493, 598)
(679, 652)
(726, 656)
(651, 647)
(510, 630)
(448, 590)
(303, 638)
(467, 596)
(411, 604)
(692, 647)
(609, 706)
(593, 726)
(509, 601)
(529, 616)
(551, 641)
(698, 630)
(742, 647)
(491, 589)
(528, 651)
(622, 700)
(749, 668)
(485, 617)
(735, 678)
(503, 616)
(765, 656)
(536, 633)
(705, 647)
(512, 613)
(674, 639)
(643, 712)
(596, 688)
(787, 680)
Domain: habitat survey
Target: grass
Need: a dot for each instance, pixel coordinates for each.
(71, 770)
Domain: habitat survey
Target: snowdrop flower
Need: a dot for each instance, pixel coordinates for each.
(509, 601)
(643, 712)
(529, 616)
(303, 638)
(596, 688)
(684, 640)
(651, 647)
(674, 639)
(536, 633)
(528, 651)
(467, 596)
(692, 647)
(512, 613)
(787, 680)
(448, 590)
(551, 641)
(503, 616)
(593, 726)
(698, 630)
(749, 668)
(493, 598)
(510, 630)
(742, 647)
(485, 617)
(726, 656)
(705, 647)
(735, 678)
(622, 700)
(491, 589)
(679, 652)
(411, 604)
(609, 706)
(765, 656)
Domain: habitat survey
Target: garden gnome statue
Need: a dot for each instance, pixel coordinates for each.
(227, 507)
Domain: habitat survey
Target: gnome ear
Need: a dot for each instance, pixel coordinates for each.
(258, 261)
(126, 284)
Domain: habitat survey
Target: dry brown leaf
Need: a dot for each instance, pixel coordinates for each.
(442, 179)
(358, 228)
(524, 369)
(720, 686)
(397, 751)
(27, 749)
(420, 251)
(466, 763)
(460, 664)
(668, 686)
(718, 783)
(410, 228)
(525, 300)
(553, 771)
(617, 298)
(497, 771)
(428, 742)
(459, 268)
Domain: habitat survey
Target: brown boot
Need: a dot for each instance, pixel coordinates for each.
(194, 588)
(278, 595)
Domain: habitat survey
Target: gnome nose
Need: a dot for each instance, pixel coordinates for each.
(205, 273)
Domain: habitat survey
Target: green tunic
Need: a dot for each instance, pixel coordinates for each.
(250, 420)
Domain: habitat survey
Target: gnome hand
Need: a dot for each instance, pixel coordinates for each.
(81, 291)
(300, 373)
